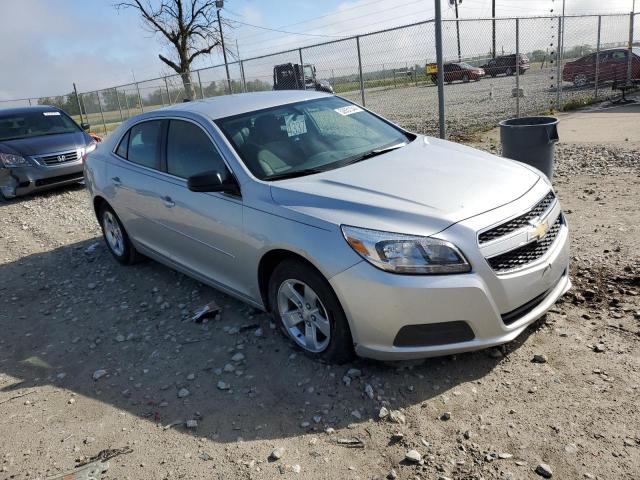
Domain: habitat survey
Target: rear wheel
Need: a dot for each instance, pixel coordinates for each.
(116, 237)
(580, 80)
(309, 313)
(465, 78)
(509, 71)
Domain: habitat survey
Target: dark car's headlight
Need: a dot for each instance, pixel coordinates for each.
(9, 160)
(399, 253)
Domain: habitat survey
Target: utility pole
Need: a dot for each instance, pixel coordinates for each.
(219, 5)
(493, 27)
(455, 4)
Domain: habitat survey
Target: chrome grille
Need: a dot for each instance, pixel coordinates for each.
(58, 158)
(518, 222)
(528, 253)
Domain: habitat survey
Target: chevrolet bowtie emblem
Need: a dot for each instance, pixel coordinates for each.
(538, 230)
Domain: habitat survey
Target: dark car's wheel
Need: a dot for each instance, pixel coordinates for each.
(116, 237)
(465, 78)
(509, 71)
(580, 80)
(493, 74)
(309, 313)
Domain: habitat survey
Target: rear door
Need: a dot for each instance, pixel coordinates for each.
(203, 231)
(133, 173)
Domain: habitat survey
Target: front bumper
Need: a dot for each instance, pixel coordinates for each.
(462, 312)
(23, 180)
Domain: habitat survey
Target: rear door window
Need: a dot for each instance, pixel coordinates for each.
(190, 151)
(144, 143)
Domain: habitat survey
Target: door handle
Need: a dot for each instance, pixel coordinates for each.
(168, 202)
(116, 181)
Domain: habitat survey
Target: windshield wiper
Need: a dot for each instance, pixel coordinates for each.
(295, 173)
(375, 153)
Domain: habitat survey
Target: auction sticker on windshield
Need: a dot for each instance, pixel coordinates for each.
(50, 114)
(296, 125)
(348, 110)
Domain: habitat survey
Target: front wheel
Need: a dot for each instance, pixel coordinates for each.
(509, 72)
(309, 313)
(116, 237)
(465, 78)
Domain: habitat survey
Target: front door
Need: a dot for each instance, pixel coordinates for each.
(203, 231)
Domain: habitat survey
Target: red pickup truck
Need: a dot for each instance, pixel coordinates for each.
(613, 67)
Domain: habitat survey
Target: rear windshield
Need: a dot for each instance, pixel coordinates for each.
(35, 124)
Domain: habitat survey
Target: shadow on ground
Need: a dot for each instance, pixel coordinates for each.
(72, 311)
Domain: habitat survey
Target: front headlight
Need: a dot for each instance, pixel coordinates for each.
(8, 160)
(400, 253)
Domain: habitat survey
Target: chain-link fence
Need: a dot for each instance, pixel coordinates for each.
(493, 69)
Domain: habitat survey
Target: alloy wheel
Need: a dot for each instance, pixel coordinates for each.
(113, 233)
(304, 316)
(580, 80)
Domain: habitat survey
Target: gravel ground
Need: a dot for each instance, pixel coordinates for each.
(471, 106)
(96, 356)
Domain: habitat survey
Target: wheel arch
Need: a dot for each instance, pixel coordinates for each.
(98, 203)
(269, 261)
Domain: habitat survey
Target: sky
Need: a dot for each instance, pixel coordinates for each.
(50, 44)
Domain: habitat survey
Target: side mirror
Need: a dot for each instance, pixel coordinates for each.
(85, 126)
(214, 181)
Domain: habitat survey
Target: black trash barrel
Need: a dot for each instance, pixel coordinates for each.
(530, 140)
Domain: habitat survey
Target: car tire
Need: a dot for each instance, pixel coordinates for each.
(434, 78)
(294, 282)
(116, 238)
(465, 78)
(493, 74)
(509, 71)
(580, 80)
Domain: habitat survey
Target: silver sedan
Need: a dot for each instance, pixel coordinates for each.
(357, 235)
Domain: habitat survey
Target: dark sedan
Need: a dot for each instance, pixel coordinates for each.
(506, 64)
(614, 65)
(40, 147)
(459, 71)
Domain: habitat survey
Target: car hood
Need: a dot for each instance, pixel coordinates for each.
(45, 144)
(421, 188)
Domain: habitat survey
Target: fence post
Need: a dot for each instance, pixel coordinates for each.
(29, 100)
(75, 91)
(200, 84)
(119, 106)
(126, 102)
(440, 67)
(166, 86)
(558, 61)
(360, 70)
(597, 79)
(517, 67)
(104, 125)
(244, 81)
(630, 53)
(304, 81)
(139, 98)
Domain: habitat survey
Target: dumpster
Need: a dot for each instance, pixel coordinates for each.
(530, 140)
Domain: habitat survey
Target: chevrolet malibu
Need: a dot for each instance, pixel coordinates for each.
(356, 234)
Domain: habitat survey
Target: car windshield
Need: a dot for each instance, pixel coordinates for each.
(308, 137)
(29, 124)
(466, 65)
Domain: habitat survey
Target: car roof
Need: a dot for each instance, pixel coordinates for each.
(37, 108)
(236, 104)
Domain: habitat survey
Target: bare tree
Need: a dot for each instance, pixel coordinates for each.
(190, 26)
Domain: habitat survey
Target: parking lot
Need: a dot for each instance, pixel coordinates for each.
(97, 356)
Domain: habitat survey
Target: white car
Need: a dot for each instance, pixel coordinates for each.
(357, 235)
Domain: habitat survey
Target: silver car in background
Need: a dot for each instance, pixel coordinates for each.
(357, 235)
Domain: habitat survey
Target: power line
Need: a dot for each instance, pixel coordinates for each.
(284, 31)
